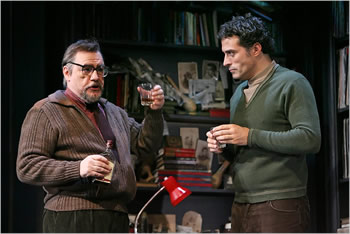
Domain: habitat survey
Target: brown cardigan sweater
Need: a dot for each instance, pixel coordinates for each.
(56, 136)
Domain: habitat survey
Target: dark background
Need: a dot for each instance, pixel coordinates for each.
(34, 37)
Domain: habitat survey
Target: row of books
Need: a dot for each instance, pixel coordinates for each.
(157, 23)
(121, 89)
(181, 163)
(195, 28)
(343, 77)
(341, 18)
(187, 178)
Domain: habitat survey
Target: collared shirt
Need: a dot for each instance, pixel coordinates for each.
(82, 105)
(258, 79)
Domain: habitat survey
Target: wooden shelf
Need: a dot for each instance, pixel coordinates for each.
(187, 118)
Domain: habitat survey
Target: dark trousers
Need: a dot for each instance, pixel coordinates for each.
(85, 221)
(287, 215)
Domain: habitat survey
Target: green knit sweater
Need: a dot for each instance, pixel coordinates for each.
(284, 127)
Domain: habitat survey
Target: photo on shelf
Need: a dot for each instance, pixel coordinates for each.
(189, 137)
(204, 157)
(186, 72)
(202, 91)
(162, 223)
(173, 141)
(210, 69)
(219, 92)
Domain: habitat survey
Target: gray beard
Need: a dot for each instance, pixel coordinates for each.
(89, 98)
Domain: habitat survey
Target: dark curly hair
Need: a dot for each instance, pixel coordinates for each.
(249, 29)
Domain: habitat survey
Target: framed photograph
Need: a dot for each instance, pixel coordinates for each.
(219, 92)
(189, 137)
(186, 72)
(162, 223)
(173, 141)
(204, 157)
(197, 86)
(210, 69)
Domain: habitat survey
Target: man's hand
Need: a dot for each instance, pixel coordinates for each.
(158, 98)
(213, 144)
(231, 134)
(95, 166)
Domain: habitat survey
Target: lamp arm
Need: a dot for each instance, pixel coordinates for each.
(140, 212)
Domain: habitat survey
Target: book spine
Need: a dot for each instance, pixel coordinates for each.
(183, 172)
(188, 179)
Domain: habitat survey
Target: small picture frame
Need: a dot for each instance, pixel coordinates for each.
(210, 69)
(204, 157)
(173, 141)
(186, 72)
(189, 137)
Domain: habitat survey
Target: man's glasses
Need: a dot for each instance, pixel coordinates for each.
(89, 69)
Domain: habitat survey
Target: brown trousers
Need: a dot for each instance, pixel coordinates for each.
(287, 215)
(87, 221)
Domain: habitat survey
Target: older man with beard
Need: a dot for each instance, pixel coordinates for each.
(62, 139)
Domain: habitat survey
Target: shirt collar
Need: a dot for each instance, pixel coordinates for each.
(260, 77)
(80, 102)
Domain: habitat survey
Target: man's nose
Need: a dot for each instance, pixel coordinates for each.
(226, 61)
(94, 75)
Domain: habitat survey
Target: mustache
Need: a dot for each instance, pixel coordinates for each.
(96, 85)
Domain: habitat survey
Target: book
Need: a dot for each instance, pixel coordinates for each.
(179, 152)
(182, 167)
(202, 33)
(215, 27)
(225, 113)
(195, 184)
(189, 179)
(184, 172)
(206, 31)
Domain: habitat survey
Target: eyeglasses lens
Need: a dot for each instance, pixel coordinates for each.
(101, 70)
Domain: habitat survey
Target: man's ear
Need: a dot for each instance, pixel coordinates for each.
(66, 73)
(256, 49)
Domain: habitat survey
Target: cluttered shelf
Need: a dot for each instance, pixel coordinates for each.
(181, 118)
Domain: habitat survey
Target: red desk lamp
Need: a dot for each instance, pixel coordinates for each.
(176, 193)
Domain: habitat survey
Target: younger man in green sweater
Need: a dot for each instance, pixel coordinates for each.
(274, 123)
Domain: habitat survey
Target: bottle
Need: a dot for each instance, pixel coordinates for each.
(109, 155)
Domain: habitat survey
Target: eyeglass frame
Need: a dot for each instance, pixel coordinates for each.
(105, 68)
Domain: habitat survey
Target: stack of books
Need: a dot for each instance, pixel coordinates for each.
(181, 163)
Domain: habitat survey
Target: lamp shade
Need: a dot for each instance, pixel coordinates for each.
(176, 192)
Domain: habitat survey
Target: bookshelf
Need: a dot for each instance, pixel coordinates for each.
(111, 23)
(153, 50)
(340, 89)
(131, 38)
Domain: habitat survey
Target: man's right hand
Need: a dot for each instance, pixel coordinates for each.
(94, 166)
(213, 144)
